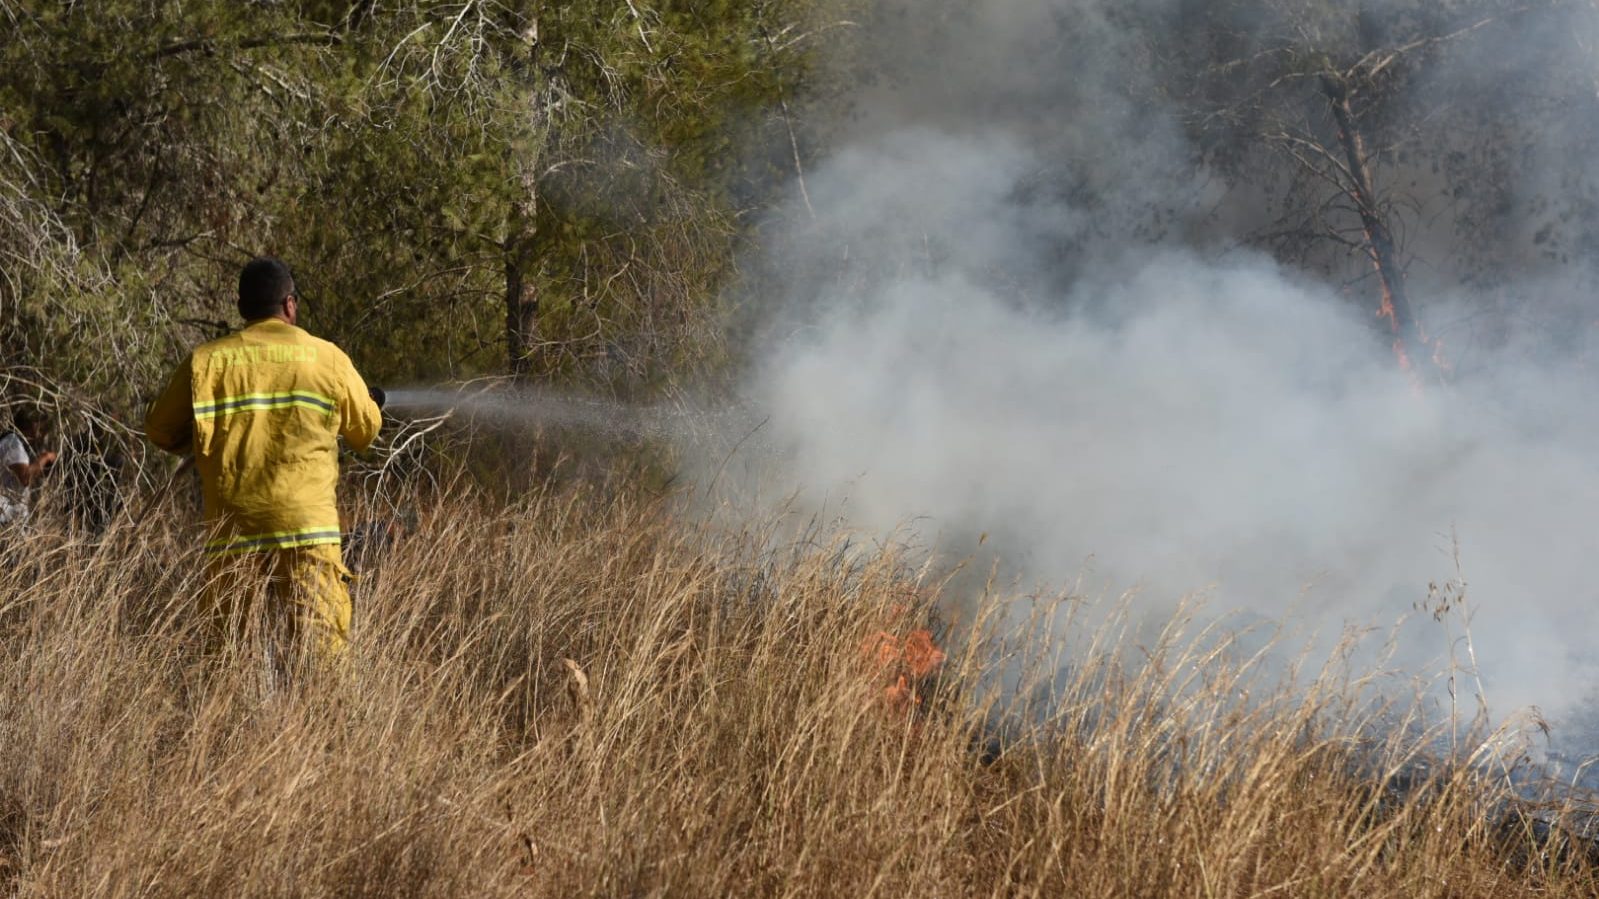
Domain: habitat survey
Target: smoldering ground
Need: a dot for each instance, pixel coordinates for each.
(1026, 307)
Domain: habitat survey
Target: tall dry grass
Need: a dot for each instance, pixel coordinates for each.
(587, 694)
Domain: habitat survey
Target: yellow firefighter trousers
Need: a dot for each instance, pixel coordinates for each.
(305, 604)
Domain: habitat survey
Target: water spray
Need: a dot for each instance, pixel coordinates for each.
(519, 406)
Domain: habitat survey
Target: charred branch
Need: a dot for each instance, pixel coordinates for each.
(1380, 246)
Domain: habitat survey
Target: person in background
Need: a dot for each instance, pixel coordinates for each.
(93, 462)
(23, 462)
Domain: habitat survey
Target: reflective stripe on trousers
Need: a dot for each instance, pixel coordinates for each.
(318, 535)
(306, 603)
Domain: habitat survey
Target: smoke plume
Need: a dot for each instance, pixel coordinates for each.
(1031, 306)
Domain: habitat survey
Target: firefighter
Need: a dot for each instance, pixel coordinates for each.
(261, 411)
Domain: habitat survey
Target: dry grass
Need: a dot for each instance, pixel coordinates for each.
(587, 695)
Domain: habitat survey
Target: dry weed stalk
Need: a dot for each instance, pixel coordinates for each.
(586, 694)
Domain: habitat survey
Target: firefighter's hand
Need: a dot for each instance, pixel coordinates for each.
(378, 396)
(46, 460)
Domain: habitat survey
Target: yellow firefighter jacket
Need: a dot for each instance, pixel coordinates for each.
(262, 411)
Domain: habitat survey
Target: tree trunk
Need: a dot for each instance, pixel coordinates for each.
(521, 254)
(1380, 248)
(521, 289)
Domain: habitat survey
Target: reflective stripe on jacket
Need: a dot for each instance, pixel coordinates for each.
(262, 411)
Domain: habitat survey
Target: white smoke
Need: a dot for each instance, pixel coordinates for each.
(963, 349)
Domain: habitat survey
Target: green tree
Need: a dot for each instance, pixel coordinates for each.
(550, 188)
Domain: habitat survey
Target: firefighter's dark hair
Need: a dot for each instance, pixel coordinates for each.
(263, 286)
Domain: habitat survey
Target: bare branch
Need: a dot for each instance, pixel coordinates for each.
(206, 45)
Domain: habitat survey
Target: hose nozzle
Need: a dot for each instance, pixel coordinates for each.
(378, 396)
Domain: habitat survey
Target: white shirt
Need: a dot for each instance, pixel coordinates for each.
(13, 496)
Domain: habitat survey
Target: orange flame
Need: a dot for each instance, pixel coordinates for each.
(919, 654)
(907, 661)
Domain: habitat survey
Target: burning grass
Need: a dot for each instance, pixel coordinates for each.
(588, 695)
